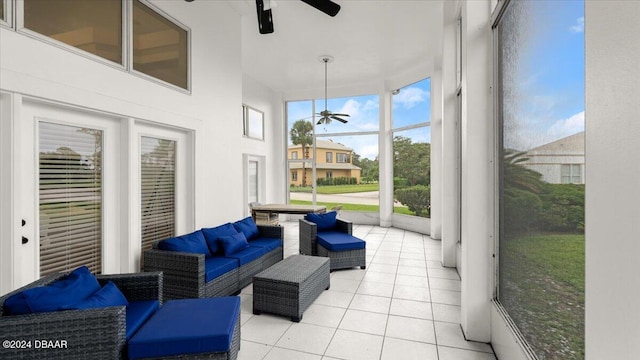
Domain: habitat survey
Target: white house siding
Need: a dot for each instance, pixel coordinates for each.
(549, 158)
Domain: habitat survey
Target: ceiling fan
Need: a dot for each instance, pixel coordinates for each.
(265, 19)
(326, 116)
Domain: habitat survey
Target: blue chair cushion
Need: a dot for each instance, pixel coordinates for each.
(248, 255)
(187, 326)
(339, 241)
(215, 266)
(190, 243)
(71, 289)
(248, 227)
(326, 221)
(137, 314)
(233, 243)
(267, 243)
(211, 235)
(109, 295)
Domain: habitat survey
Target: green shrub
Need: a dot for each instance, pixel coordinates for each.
(563, 208)
(522, 209)
(342, 180)
(416, 198)
(400, 183)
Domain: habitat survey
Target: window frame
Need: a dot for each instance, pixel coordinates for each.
(8, 13)
(22, 29)
(130, 49)
(294, 175)
(246, 122)
(329, 157)
(15, 17)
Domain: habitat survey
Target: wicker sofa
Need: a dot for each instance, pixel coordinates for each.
(218, 273)
(96, 333)
(327, 236)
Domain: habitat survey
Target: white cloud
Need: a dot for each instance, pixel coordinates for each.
(351, 107)
(579, 26)
(566, 127)
(410, 97)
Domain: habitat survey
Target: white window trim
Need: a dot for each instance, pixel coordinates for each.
(246, 128)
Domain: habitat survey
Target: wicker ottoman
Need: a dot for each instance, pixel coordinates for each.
(190, 329)
(289, 287)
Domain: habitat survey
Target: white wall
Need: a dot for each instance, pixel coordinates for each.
(33, 68)
(613, 179)
(265, 99)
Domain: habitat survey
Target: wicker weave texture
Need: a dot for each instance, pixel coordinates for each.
(184, 273)
(290, 287)
(345, 259)
(89, 334)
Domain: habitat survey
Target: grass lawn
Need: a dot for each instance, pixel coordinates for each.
(355, 207)
(337, 189)
(542, 288)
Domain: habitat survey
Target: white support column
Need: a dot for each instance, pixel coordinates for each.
(477, 171)
(436, 151)
(450, 139)
(612, 211)
(8, 235)
(385, 158)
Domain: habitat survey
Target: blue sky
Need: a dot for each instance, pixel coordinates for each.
(412, 105)
(547, 100)
(548, 103)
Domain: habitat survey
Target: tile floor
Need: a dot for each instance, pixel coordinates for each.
(405, 305)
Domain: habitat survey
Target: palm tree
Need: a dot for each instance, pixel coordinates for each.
(516, 175)
(302, 134)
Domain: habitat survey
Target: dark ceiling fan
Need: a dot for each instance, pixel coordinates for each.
(326, 116)
(265, 18)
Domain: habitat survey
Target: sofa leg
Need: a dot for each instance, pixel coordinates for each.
(363, 267)
(296, 318)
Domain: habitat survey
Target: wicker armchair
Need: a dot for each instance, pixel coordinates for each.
(81, 334)
(308, 244)
(184, 273)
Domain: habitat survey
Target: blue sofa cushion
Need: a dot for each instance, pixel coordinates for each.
(190, 243)
(212, 235)
(108, 295)
(215, 266)
(187, 326)
(339, 241)
(326, 221)
(248, 227)
(71, 289)
(137, 314)
(233, 243)
(267, 243)
(248, 255)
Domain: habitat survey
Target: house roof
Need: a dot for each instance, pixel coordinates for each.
(572, 144)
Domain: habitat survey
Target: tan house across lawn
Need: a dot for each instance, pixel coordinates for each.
(334, 161)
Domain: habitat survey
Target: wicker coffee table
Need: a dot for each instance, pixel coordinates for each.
(289, 287)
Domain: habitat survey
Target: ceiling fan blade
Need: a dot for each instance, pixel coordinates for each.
(347, 115)
(265, 19)
(339, 119)
(324, 120)
(326, 6)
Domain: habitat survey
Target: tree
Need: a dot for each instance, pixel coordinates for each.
(301, 133)
(412, 161)
(517, 175)
(370, 168)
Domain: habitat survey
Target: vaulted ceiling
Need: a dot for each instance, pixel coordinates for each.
(373, 42)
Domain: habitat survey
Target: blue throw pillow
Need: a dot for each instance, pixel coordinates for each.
(192, 243)
(248, 227)
(211, 235)
(109, 295)
(71, 289)
(326, 221)
(233, 243)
